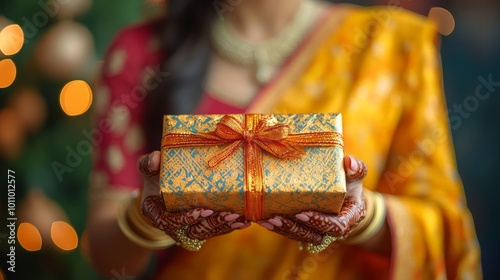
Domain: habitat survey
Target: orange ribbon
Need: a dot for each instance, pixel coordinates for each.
(256, 134)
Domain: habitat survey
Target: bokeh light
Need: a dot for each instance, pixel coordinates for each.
(29, 237)
(445, 23)
(75, 98)
(64, 51)
(11, 39)
(9, 71)
(30, 106)
(11, 134)
(64, 236)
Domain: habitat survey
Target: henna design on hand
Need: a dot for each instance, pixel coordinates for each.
(205, 227)
(198, 226)
(296, 230)
(342, 224)
(154, 209)
(226, 228)
(360, 173)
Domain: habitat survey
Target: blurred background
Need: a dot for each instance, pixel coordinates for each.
(50, 56)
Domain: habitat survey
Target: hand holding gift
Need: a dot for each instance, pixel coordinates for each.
(265, 169)
(320, 229)
(256, 166)
(189, 228)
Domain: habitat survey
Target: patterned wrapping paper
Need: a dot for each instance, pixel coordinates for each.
(315, 181)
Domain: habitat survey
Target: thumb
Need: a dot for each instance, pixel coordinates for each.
(149, 166)
(356, 169)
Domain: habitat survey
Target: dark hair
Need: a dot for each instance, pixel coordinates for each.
(186, 45)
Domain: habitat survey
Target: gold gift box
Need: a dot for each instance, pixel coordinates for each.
(254, 165)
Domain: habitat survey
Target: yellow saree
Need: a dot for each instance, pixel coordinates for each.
(379, 67)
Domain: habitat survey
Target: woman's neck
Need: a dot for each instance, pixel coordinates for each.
(259, 20)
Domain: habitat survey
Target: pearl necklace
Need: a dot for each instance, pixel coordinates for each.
(266, 56)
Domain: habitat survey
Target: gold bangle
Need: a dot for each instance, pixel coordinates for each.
(124, 225)
(375, 224)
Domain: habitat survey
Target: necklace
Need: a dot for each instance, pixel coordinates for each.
(266, 56)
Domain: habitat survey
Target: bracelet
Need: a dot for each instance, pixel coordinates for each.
(379, 214)
(128, 221)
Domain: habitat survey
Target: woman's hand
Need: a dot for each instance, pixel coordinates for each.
(312, 226)
(196, 224)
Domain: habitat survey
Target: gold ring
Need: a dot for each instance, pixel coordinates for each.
(327, 240)
(187, 243)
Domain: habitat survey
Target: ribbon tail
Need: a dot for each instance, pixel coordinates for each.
(254, 183)
(281, 149)
(224, 154)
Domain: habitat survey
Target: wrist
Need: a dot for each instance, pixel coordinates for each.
(373, 221)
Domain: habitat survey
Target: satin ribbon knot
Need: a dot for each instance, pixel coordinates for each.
(247, 135)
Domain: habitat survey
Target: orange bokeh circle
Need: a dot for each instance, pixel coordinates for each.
(75, 98)
(29, 237)
(64, 236)
(11, 39)
(9, 72)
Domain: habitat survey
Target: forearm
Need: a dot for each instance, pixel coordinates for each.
(109, 248)
(381, 242)
(373, 233)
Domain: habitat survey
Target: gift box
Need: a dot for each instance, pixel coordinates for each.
(252, 164)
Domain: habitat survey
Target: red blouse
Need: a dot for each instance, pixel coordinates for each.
(129, 72)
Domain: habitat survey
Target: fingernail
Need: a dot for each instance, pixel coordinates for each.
(150, 160)
(354, 166)
(267, 225)
(275, 221)
(237, 225)
(231, 217)
(206, 213)
(302, 217)
(245, 225)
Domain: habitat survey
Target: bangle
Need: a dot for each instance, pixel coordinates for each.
(150, 241)
(379, 214)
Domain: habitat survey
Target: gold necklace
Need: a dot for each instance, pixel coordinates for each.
(266, 56)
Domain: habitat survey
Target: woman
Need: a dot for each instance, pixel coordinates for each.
(406, 219)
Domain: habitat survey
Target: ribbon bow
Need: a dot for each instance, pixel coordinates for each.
(256, 134)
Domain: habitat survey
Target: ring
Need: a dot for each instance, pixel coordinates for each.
(327, 240)
(187, 243)
(361, 173)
